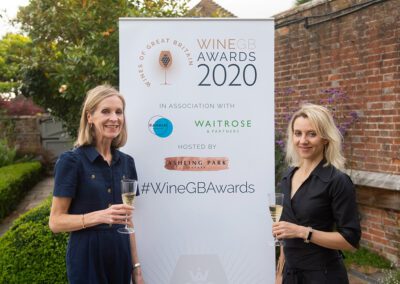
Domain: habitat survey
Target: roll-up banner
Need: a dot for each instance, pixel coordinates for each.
(200, 116)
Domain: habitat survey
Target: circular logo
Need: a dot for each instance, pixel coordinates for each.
(160, 126)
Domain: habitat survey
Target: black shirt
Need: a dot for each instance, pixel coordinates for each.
(326, 202)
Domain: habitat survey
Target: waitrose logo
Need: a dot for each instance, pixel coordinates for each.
(223, 123)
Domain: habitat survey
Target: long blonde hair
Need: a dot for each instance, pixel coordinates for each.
(93, 98)
(322, 120)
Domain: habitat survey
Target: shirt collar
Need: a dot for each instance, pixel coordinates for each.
(289, 172)
(322, 172)
(92, 154)
(115, 155)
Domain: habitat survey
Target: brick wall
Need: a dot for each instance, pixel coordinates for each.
(25, 133)
(380, 231)
(350, 54)
(358, 54)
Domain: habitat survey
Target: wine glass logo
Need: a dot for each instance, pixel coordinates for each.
(165, 61)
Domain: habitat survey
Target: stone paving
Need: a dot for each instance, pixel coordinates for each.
(45, 187)
(356, 277)
(32, 199)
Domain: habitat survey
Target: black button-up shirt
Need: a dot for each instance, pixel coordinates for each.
(326, 202)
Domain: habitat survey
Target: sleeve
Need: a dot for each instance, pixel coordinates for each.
(66, 175)
(344, 208)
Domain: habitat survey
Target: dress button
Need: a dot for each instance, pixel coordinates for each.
(109, 190)
(93, 176)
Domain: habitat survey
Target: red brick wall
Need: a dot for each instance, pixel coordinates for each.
(28, 134)
(357, 54)
(355, 59)
(380, 231)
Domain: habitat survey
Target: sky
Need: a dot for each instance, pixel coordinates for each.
(241, 8)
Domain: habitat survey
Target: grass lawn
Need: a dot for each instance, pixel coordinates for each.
(372, 264)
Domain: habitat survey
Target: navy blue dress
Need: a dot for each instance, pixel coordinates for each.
(97, 254)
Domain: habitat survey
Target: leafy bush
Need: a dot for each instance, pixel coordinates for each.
(390, 277)
(20, 106)
(280, 164)
(7, 154)
(30, 252)
(8, 87)
(15, 181)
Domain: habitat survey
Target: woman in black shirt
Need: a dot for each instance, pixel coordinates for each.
(320, 215)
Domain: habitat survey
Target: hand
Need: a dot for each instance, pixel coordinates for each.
(116, 214)
(137, 277)
(286, 230)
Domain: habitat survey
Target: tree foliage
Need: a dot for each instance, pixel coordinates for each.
(14, 50)
(76, 48)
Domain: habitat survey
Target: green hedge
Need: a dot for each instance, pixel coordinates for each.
(30, 252)
(15, 181)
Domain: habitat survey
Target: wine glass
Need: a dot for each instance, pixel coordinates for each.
(128, 190)
(275, 203)
(165, 61)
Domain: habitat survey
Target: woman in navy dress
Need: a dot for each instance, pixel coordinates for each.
(320, 215)
(87, 195)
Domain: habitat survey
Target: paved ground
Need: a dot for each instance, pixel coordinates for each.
(35, 196)
(356, 277)
(44, 188)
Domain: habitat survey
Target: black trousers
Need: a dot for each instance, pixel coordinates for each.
(335, 274)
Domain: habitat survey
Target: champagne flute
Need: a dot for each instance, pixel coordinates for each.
(128, 190)
(275, 203)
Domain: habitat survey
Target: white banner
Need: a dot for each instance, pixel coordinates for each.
(200, 116)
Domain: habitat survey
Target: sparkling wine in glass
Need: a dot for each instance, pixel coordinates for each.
(165, 60)
(128, 190)
(275, 204)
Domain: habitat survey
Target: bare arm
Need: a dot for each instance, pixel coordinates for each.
(137, 271)
(331, 240)
(61, 221)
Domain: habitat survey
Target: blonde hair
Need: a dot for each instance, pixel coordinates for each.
(322, 120)
(93, 98)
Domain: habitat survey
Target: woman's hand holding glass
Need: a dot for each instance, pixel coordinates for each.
(116, 214)
(128, 190)
(287, 230)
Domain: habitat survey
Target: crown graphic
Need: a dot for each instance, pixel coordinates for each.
(199, 277)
